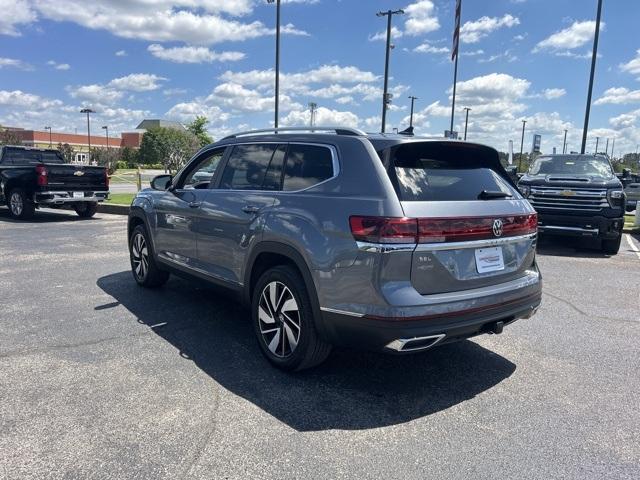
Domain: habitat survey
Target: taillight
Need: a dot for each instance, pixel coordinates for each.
(384, 229)
(106, 178)
(433, 230)
(42, 175)
(439, 230)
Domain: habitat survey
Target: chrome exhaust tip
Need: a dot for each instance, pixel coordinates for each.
(414, 344)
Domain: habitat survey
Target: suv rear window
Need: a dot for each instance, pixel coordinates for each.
(424, 172)
(21, 157)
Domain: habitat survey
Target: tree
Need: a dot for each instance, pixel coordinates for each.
(9, 137)
(130, 156)
(106, 157)
(168, 146)
(67, 151)
(199, 128)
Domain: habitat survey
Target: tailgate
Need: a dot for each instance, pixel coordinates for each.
(76, 177)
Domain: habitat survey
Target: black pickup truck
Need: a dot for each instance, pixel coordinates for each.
(577, 195)
(32, 177)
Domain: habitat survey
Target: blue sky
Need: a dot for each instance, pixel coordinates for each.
(174, 59)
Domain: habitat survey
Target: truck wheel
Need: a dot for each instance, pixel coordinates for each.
(86, 209)
(20, 207)
(143, 266)
(611, 247)
(283, 321)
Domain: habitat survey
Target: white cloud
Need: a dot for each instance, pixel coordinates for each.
(382, 35)
(324, 116)
(428, 48)
(241, 99)
(14, 63)
(619, 95)
(18, 98)
(625, 120)
(552, 93)
(633, 65)
(422, 18)
(137, 82)
(187, 111)
(121, 53)
(58, 66)
(95, 94)
(572, 37)
(472, 53)
(506, 56)
(14, 13)
(191, 54)
(473, 32)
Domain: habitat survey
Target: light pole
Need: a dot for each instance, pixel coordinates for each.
(312, 108)
(564, 143)
(597, 141)
(613, 146)
(49, 128)
(466, 121)
(385, 94)
(524, 122)
(88, 111)
(277, 93)
(594, 55)
(106, 128)
(413, 99)
(606, 148)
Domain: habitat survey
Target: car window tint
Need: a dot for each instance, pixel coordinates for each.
(52, 157)
(247, 166)
(22, 157)
(273, 177)
(202, 174)
(307, 165)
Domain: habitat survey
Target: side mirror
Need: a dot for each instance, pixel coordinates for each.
(161, 182)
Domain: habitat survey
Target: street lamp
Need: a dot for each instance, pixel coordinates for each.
(594, 56)
(106, 128)
(312, 108)
(385, 95)
(413, 99)
(466, 121)
(49, 128)
(277, 93)
(564, 143)
(524, 122)
(88, 111)
(597, 142)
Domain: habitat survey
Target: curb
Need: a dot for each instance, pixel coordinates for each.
(113, 209)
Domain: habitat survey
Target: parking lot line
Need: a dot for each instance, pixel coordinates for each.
(633, 245)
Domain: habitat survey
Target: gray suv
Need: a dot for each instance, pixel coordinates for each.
(337, 237)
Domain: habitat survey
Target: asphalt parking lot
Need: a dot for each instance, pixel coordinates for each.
(102, 379)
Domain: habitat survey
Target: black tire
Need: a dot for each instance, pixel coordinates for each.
(20, 207)
(144, 268)
(86, 209)
(611, 247)
(309, 350)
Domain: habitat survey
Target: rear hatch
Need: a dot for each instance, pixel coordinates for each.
(474, 227)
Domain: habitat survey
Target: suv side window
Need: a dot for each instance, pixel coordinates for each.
(201, 174)
(247, 167)
(307, 165)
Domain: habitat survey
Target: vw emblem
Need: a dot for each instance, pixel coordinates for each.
(497, 228)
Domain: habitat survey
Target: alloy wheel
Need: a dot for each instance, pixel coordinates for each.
(279, 319)
(140, 256)
(16, 204)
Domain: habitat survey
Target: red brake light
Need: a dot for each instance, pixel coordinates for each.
(384, 229)
(42, 175)
(433, 230)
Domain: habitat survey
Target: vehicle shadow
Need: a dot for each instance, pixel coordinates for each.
(351, 390)
(559, 246)
(45, 216)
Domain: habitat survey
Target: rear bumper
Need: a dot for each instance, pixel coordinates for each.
(61, 198)
(416, 333)
(580, 226)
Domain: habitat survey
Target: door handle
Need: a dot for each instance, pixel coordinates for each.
(250, 209)
(194, 204)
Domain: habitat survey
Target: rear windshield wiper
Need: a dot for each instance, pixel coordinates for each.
(490, 194)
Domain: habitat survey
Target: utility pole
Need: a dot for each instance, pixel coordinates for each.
(564, 143)
(594, 55)
(49, 128)
(613, 146)
(106, 128)
(312, 108)
(466, 121)
(88, 111)
(524, 122)
(597, 141)
(454, 56)
(385, 94)
(606, 148)
(277, 93)
(413, 99)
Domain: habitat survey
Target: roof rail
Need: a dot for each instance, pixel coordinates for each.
(337, 130)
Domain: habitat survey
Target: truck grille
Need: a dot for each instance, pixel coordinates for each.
(557, 198)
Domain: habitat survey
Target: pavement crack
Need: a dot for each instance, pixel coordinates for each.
(588, 315)
(49, 348)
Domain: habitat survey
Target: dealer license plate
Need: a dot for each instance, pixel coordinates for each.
(489, 259)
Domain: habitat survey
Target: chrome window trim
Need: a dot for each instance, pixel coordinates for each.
(341, 312)
(489, 242)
